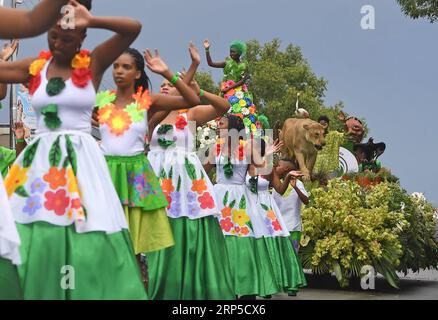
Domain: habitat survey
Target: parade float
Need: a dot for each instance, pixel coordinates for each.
(359, 215)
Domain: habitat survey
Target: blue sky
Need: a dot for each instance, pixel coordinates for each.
(386, 75)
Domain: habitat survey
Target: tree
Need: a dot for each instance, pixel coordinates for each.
(206, 82)
(420, 9)
(278, 76)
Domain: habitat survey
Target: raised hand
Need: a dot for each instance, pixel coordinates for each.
(295, 174)
(83, 17)
(274, 148)
(206, 44)
(19, 131)
(195, 86)
(8, 50)
(194, 54)
(155, 63)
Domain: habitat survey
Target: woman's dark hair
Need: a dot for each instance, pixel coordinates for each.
(235, 122)
(86, 3)
(144, 80)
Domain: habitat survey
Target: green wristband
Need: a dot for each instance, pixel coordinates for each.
(174, 79)
(201, 93)
(20, 140)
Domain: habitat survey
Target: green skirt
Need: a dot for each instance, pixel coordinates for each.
(9, 282)
(252, 269)
(60, 264)
(144, 202)
(196, 268)
(287, 265)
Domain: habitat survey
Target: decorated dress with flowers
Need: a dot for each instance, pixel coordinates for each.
(123, 133)
(9, 250)
(197, 266)
(67, 211)
(240, 99)
(287, 267)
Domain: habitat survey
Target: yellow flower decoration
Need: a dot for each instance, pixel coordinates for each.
(105, 113)
(240, 217)
(36, 66)
(72, 182)
(242, 103)
(16, 178)
(81, 61)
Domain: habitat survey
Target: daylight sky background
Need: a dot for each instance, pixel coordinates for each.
(386, 75)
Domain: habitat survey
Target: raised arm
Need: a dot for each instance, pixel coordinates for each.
(126, 31)
(188, 97)
(209, 60)
(202, 114)
(24, 24)
(15, 72)
(196, 61)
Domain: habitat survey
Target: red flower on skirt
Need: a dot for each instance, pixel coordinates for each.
(81, 77)
(206, 201)
(276, 225)
(76, 203)
(57, 202)
(226, 224)
(34, 83)
(180, 123)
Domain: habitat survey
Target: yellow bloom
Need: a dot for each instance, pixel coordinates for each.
(36, 66)
(240, 217)
(81, 62)
(16, 178)
(72, 182)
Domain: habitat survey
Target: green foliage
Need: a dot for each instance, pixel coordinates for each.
(420, 9)
(206, 82)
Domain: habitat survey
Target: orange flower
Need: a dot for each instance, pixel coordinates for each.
(105, 113)
(36, 66)
(251, 110)
(226, 212)
(56, 178)
(199, 186)
(271, 215)
(167, 186)
(16, 178)
(119, 121)
(81, 61)
(143, 99)
(244, 231)
(46, 55)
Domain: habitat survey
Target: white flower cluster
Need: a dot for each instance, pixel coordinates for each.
(207, 135)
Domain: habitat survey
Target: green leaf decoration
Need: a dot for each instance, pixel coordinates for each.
(163, 174)
(51, 119)
(171, 173)
(55, 86)
(135, 114)
(228, 169)
(225, 201)
(66, 163)
(253, 184)
(55, 153)
(232, 204)
(29, 154)
(190, 168)
(22, 192)
(164, 128)
(249, 224)
(202, 175)
(104, 98)
(242, 203)
(178, 186)
(71, 153)
(265, 207)
(338, 271)
(165, 143)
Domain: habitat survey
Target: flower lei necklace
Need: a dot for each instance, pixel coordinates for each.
(119, 120)
(80, 77)
(228, 167)
(180, 124)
